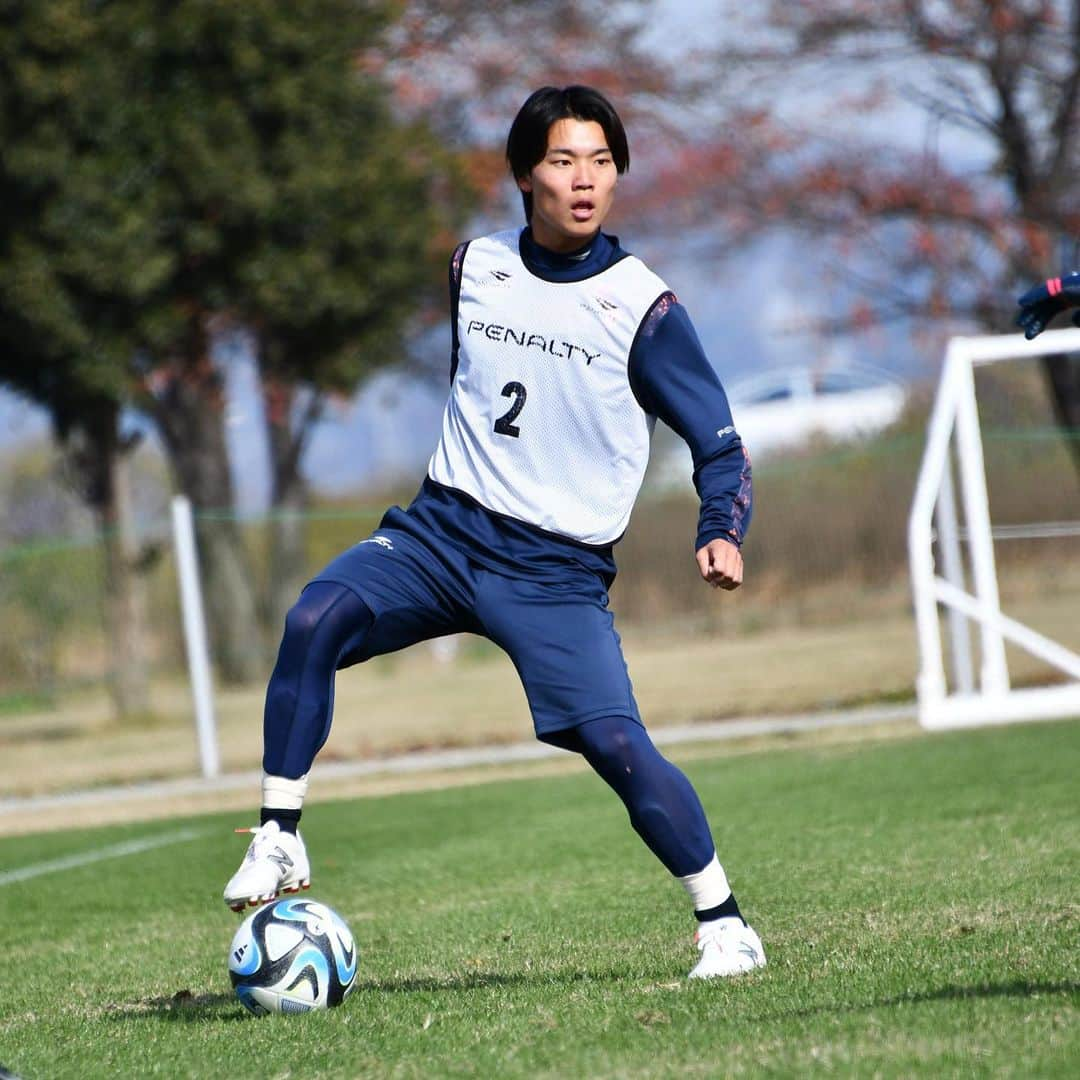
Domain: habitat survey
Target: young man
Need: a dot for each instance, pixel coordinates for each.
(564, 351)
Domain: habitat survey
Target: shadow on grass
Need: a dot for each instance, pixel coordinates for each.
(183, 1007)
(1017, 988)
(481, 980)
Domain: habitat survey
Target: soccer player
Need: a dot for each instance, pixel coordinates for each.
(565, 348)
(1041, 303)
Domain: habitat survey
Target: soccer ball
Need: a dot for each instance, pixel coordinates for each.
(292, 956)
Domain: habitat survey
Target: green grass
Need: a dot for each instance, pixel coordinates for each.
(917, 899)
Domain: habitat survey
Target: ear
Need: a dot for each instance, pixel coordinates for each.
(524, 184)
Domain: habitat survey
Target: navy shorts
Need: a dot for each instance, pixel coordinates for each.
(559, 634)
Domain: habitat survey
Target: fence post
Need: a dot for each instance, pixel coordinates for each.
(198, 654)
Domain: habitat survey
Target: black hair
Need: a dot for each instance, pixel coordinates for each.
(527, 142)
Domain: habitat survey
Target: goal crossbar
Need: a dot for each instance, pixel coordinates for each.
(935, 514)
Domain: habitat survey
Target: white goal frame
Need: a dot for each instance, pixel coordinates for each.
(990, 699)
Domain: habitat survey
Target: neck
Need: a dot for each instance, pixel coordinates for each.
(575, 253)
(569, 265)
(564, 248)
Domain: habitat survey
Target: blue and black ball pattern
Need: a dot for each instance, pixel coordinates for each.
(292, 956)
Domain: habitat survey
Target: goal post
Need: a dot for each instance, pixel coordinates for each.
(944, 494)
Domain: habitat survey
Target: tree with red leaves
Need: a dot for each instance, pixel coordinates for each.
(932, 147)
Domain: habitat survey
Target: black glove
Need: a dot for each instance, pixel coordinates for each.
(1041, 303)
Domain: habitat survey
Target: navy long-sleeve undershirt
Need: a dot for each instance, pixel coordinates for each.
(673, 380)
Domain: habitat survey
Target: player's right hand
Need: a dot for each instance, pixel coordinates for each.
(1042, 302)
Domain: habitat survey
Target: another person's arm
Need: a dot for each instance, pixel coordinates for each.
(1041, 303)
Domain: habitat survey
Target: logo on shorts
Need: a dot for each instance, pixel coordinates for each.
(725, 431)
(382, 541)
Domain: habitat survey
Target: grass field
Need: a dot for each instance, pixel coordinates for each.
(917, 897)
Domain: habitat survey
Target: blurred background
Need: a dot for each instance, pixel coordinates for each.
(223, 245)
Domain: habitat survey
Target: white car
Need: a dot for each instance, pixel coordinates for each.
(784, 408)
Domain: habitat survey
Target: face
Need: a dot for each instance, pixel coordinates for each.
(573, 186)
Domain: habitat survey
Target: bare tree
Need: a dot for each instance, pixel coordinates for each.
(932, 148)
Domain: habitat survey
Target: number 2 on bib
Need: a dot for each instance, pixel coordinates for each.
(505, 424)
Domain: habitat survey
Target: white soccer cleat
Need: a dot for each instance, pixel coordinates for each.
(275, 862)
(727, 947)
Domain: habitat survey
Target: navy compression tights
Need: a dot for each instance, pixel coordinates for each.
(324, 632)
(664, 808)
(326, 625)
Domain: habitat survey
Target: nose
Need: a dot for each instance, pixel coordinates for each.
(582, 176)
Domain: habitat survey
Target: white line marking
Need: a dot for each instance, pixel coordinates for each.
(460, 758)
(86, 858)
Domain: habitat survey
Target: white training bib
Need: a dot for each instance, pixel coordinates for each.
(541, 424)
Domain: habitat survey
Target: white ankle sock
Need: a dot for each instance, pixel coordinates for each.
(281, 793)
(707, 888)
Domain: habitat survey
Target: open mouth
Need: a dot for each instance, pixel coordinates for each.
(582, 209)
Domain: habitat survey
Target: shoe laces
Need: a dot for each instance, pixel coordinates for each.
(262, 838)
(714, 932)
